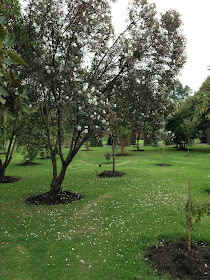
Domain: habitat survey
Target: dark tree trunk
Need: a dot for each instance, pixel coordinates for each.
(114, 143)
(55, 186)
(137, 141)
(2, 169)
(123, 144)
(208, 136)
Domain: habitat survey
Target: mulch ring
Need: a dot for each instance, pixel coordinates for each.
(27, 163)
(62, 197)
(9, 179)
(163, 164)
(122, 155)
(175, 260)
(107, 173)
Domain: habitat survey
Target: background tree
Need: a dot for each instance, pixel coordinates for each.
(159, 55)
(32, 138)
(12, 93)
(189, 125)
(202, 107)
(181, 92)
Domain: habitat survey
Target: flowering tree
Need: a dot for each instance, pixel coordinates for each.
(65, 45)
(155, 54)
(74, 62)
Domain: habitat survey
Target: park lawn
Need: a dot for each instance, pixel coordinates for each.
(105, 235)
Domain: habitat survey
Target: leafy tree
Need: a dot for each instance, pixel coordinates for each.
(180, 92)
(202, 107)
(12, 93)
(32, 138)
(73, 63)
(146, 90)
(59, 38)
(189, 125)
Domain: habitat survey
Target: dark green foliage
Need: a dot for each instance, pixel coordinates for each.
(180, 92)
(94, 142)
(108, 156)
(32, 138)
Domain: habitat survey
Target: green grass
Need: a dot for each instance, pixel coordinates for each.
(104, 236)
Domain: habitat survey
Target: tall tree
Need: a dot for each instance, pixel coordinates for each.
(202, 107)
(158, 47)
(74, 62)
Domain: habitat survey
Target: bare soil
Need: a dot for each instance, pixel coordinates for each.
(175, 259)
(122, 155)
(61, 197)
(9, 179)
(108, 173)
(163, 164)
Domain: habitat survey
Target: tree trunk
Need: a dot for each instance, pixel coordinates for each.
(123, 144)
(144, 138)
(55, 186)
(208, 136)
(2, 169)
(164, 152)
(137, 141)
(87, 147)
(114, 140)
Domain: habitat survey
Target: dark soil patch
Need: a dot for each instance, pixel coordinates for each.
(9, 179)
(87, 150)
(107, 173)
(122, 155)
(178, 262)
(182, 149)
(208, 191)
(62, 197)
(27, 164)
(140, 150)
(163, 164)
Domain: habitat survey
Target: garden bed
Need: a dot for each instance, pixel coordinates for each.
(9, 179)
(62, 197)
(178, 262)
(107, 173)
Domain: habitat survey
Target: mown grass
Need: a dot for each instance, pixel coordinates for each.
(105, 235)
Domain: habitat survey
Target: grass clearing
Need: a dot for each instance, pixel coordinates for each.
(104, 235)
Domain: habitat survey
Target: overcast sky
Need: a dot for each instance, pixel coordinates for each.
(196, 27)
(195, 16)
